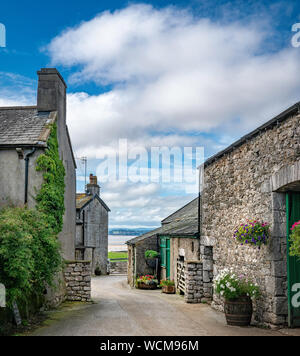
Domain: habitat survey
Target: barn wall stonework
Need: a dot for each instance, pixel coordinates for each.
(137, 265)
(239, 186)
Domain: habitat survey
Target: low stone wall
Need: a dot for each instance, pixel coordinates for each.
(198, 279)
(118, 267)
(193, 282)
(78, 281)
(206, 253)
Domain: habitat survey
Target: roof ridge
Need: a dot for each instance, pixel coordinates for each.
(18, 107)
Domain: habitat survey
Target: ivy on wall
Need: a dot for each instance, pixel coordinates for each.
(29, 248)
(50, 199)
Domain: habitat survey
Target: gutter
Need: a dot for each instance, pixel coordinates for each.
(26, 159)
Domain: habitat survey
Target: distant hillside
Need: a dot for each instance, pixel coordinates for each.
(129, 232)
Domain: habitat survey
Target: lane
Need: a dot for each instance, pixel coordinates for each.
(122, 311)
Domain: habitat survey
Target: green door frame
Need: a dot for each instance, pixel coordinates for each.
(165, 254)
(293, 263)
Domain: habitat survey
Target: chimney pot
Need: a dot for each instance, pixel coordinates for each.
(93, 187)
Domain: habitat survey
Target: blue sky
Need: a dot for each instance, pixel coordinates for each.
(157, 73)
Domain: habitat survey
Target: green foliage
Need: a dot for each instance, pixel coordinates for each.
(166, 283)
(116, 255)
(29, 249)
(230, 286)
(151, 254)
(29, 252)
(295, 240)
(50, 199)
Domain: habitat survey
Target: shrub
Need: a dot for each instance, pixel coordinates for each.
(253, 233)
(295, 240)
(230, 286)
(29, 253)
(151, 254)
(166, 283)
(29, 249)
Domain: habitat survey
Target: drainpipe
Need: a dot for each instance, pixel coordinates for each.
(26, 159)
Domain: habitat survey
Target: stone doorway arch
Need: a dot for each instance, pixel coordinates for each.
(285, 271)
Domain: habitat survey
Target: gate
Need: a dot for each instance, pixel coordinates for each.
(293, 263)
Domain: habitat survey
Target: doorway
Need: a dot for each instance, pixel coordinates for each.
(293, 263)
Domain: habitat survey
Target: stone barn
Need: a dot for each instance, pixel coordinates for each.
(177, 241)
(92, 227)
(257, 177)
(137, 247)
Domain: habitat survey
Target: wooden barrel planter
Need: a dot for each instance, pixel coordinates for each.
(146, 286)
(168, 289)
(238, 312)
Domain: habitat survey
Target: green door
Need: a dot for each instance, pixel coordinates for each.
(165, 254)
(168, 259)
(293, 263)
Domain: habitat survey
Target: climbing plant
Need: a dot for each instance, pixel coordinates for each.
(295, 240)
(29, 252)
(29, 248)
(50, 199)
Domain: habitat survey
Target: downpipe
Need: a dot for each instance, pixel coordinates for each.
(26, 159)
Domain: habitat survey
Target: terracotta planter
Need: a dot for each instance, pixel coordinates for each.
(238, 311)
(168, 289)
(141, 285)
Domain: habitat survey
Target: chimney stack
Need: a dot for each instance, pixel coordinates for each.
(51, 96)
(93, 187)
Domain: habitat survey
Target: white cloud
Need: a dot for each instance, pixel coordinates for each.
(139, 204)
(170, 74)
(16, 90)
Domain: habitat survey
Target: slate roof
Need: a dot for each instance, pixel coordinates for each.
(24, 126)
(188, 211)
(183, 222)
(144, 236)
(185, 227)
(83, 199)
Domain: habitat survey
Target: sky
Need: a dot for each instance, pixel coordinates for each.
(188, 77)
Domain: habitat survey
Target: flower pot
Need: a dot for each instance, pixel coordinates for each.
(142, 285)
(238, 311)
(97, 272)
(168, 289)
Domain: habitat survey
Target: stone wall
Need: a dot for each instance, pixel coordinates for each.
(237, 187)
(78, 281)
(118, 267)
(193, 281)
(137, 265)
